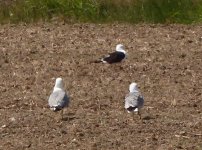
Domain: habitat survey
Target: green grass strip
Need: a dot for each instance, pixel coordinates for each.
(130, 11)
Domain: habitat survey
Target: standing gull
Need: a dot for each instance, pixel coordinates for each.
(114, 57)
(134, 101)
(58, 98)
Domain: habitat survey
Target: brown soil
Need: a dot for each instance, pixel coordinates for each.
(165, 61)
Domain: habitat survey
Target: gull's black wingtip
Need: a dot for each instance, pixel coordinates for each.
(131, 108)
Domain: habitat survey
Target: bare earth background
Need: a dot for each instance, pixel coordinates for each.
(165, 60)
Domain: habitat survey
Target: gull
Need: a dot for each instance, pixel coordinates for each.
(58, 99)
(114, 57)
(134, 101)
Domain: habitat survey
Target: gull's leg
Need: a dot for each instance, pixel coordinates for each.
(133, 115)
(61, 114)
(139, 114)
(66, 115)
(125, 116)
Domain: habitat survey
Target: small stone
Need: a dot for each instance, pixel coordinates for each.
(4, 126)
(12, 119)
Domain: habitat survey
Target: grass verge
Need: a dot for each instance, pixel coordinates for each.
(132, 11)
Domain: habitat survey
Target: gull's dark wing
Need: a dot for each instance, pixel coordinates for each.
(114, 57)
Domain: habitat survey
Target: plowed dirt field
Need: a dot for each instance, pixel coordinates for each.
(165, 61)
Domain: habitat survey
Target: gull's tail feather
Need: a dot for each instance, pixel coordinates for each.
(56, 108)
(96, 61)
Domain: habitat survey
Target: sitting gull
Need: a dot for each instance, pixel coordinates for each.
(58, 98)
(134, 101)
(114, 57)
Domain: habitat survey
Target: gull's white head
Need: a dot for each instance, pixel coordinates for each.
(58, 84)
(120, 48)
(133, 87)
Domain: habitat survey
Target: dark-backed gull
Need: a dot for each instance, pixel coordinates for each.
(114, 57)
